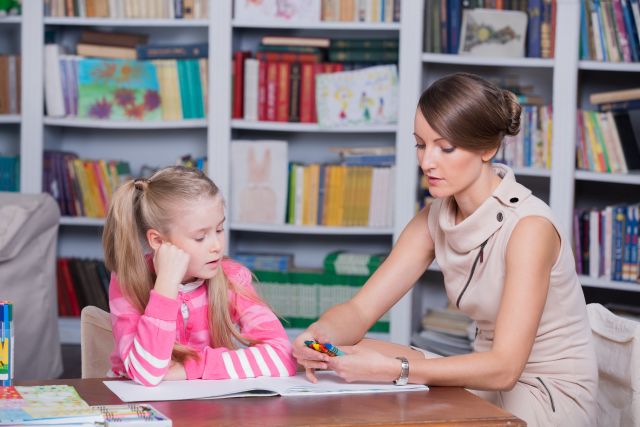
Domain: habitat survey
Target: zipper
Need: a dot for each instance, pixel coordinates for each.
(553, 406)
(479, 257)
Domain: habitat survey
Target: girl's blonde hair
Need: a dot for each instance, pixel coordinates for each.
(154, 203)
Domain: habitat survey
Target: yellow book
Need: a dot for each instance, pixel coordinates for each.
(94, 189)
(175, 100)
(593, 143)
(326, 200)
(87, 204)
(367, 173)
(204, 80)
(306, 195)
(106, 180)
(341, 184)
(314, 189)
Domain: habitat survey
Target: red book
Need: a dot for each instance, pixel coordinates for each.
(238, 83)
(282, 92)
(272, 85)
(289, 56)
(307, 96)
(63, 264)
(262, 91)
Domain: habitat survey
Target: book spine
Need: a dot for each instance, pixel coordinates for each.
(194, 51)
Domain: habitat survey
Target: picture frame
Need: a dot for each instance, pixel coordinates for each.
(493, 33)
(306, 11)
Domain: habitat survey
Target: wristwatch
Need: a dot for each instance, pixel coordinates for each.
(403, 379)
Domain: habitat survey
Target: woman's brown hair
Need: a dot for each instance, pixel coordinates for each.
(470, 112)
(140, 205)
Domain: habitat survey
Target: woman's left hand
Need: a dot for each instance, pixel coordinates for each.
(364, 364)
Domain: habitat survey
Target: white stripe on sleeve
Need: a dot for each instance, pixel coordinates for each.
(276, 361)
(228, 364)
(150, 358)
(149, 378)
(264, 369)
(244, 362)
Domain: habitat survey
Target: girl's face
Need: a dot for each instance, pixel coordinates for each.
(449, 170)
(198, 230)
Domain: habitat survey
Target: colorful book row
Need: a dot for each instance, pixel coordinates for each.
(606, 242)
(124, 89)
(609, 30)
(360, 11)
(10, 77)
(134, 9)
(340, 195)
(531, 147)
(82, 187)
(443, 22)
(606, 142)
(81, 282)
(301, 297)
(7, 353)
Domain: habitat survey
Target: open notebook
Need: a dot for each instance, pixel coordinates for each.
(328, 383)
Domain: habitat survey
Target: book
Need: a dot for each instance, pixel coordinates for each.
(258, 181)
(615, 96)
(186, 51)
(277, 11)
(365, 96)
(298, 385)
(493, 33)
(107, 38)
(133, 415)
(295, 41)
(46, 404)
(101, 51)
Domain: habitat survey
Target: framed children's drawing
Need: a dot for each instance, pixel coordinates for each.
(493, 33)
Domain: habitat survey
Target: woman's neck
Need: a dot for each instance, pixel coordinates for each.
(468, 200)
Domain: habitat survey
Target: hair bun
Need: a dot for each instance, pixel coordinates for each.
(514, 110)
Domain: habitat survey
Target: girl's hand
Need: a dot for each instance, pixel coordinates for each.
(308, 358)
(176, 372)
(364, 364)
(171, 265)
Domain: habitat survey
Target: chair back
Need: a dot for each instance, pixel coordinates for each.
(617, 345)
(96, 342)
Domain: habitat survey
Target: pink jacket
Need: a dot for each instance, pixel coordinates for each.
(144, 341)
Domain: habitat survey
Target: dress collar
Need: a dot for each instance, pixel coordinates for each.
(488, 218)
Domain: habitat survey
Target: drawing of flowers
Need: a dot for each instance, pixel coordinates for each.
(101, 109)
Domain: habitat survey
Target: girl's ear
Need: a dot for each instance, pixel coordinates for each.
(154, 238)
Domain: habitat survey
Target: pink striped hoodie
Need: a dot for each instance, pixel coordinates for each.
(143, 342)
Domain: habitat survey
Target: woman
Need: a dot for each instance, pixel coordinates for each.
(505, 265)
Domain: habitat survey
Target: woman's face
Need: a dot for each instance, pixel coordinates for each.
(449, 170)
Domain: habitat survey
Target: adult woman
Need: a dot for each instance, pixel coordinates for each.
(504, 264)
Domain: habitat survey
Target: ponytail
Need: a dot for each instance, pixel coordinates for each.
(122, 243)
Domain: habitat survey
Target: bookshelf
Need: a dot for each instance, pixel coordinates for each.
(561, 81)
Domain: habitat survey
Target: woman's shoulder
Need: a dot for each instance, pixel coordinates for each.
(237, 273)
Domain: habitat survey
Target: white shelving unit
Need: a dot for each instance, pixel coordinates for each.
(162, 142)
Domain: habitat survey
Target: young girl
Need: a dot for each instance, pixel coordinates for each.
(183, 311)
(505, 265)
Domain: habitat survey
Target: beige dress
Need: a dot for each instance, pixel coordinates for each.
(559, 382)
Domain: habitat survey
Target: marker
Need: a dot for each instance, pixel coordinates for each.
(326, 348)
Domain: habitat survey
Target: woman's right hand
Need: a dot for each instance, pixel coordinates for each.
(171, 265)
(308, 358)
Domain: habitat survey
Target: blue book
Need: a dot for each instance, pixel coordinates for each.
(617, 238)
(454, 18)
(632, 31)
(533, 29)
(165, 51)
(584, 34)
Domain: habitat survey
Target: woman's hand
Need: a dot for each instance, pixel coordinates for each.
(176, 372)
(171, 265)
(308, 358)
(364, 364)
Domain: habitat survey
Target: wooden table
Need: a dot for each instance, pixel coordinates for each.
(440, 406)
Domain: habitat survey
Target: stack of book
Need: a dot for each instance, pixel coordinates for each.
(82, 187)
(609, 30)
(443, 23)
(446, 332)
(279, 84)
(81, 282)
(123, 9)
(606, 242)
(10, 76)
(609, 139)
(361, 11)
(105, 81)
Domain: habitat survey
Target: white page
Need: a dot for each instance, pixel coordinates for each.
(328, 383)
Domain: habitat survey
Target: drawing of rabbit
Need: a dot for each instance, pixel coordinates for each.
(257, 198)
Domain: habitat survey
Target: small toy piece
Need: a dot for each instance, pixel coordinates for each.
(326, 348)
